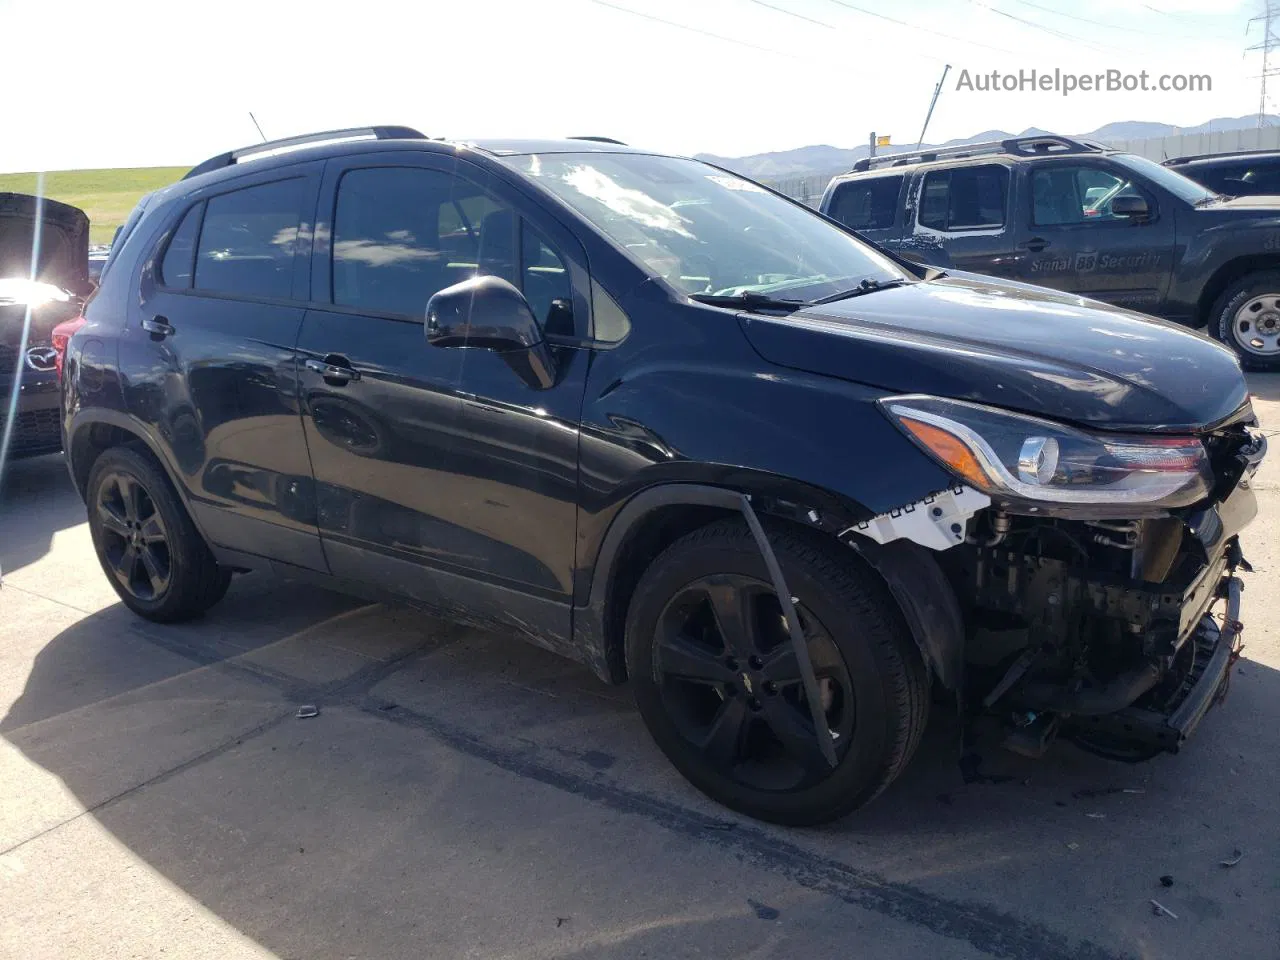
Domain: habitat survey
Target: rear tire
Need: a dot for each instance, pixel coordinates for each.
(730, 714)
(1247, 319)
(149, 549)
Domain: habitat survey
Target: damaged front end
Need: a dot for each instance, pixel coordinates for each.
(1088, 567)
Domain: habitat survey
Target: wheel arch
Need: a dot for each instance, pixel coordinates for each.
(93, 432)
(1227, 274)
(657, 516)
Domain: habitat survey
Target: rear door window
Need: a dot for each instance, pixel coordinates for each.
(966, 198)
(867, 204)
(175, 269)
(248, 241)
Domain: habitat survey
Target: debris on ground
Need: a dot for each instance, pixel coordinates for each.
(1096, 816)
(764, 911)
(1073, 846)
(1236, 856)
(1166, 881)
(1133, 790)
(561, 921)
(1159, 908)
(307, 710)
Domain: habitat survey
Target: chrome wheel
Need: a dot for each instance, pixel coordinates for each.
(135, 544)
(1256, 326)
(729, 681)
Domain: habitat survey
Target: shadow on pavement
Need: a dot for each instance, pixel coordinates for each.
(464, 794)
(37, 499)
(1265, 386)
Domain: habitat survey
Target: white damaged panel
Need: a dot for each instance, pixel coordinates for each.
(937, 522)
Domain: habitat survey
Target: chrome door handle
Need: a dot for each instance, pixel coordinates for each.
(333, 371)
(158, 327)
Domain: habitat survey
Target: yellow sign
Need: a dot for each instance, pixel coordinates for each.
(882, 141)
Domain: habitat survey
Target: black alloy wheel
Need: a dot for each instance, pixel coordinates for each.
(150, 550)
(718, 682)
(731, 683)
(135, 543)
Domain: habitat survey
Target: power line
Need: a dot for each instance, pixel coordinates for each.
(1179, 17)
(1094, 23)
(917, 27)
(1049, 30)
(792, 13)
(700, 32)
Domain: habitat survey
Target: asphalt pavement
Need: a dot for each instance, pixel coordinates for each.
(461, 794)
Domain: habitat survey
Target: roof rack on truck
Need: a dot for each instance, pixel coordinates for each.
(1037, 146)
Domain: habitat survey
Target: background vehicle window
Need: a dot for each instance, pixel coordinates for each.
(248, 241)
(971, 198)
(867, 204)
(401, 234)
(1239, 179)
(175, 268)
(1063, 195)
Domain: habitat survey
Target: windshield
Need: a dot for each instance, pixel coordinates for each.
(1181, 187)
(707, 231)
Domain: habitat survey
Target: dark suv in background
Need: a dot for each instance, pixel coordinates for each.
(661, 420)
(1083, 218)
(1251, 173)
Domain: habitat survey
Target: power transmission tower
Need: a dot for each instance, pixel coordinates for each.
(1269, 42)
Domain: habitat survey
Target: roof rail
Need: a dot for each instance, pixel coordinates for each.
(351, 133)
(600, 140)
(1174, 161)
(1043, 145)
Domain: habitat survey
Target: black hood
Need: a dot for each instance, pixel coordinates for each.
(1015, 346)
(64, 242)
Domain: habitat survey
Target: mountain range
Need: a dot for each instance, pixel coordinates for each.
(824, 159)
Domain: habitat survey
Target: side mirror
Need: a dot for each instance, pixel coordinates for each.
(488, 313)
(1130, 206)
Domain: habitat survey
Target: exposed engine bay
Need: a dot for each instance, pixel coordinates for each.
(1117, 633)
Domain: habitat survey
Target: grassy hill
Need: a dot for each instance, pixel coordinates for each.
(106, 196)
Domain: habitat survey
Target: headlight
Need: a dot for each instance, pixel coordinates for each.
(1010, 456)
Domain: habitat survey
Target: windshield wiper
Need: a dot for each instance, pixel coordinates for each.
(869, 285)
(1204, 201)
(748, 300)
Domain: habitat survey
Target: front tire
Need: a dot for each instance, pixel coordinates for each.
(717, 684)
(149, 549)
(1247, 319)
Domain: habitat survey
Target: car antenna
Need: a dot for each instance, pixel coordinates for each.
(255, 123)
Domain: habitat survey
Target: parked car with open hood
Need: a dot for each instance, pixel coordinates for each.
(657, 418)
(1081, 217)
(28, 361)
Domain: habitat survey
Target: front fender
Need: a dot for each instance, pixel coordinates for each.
(915, 580)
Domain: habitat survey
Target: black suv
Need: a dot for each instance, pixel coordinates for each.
(659, 419)
(1250, 173)
(1083, 218)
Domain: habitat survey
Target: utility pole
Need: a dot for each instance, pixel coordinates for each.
(1269, 42)
(871, 146)
(932, 103)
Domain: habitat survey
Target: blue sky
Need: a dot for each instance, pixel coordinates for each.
(151, 82)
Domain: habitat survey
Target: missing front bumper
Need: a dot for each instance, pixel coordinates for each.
(1140, 730)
